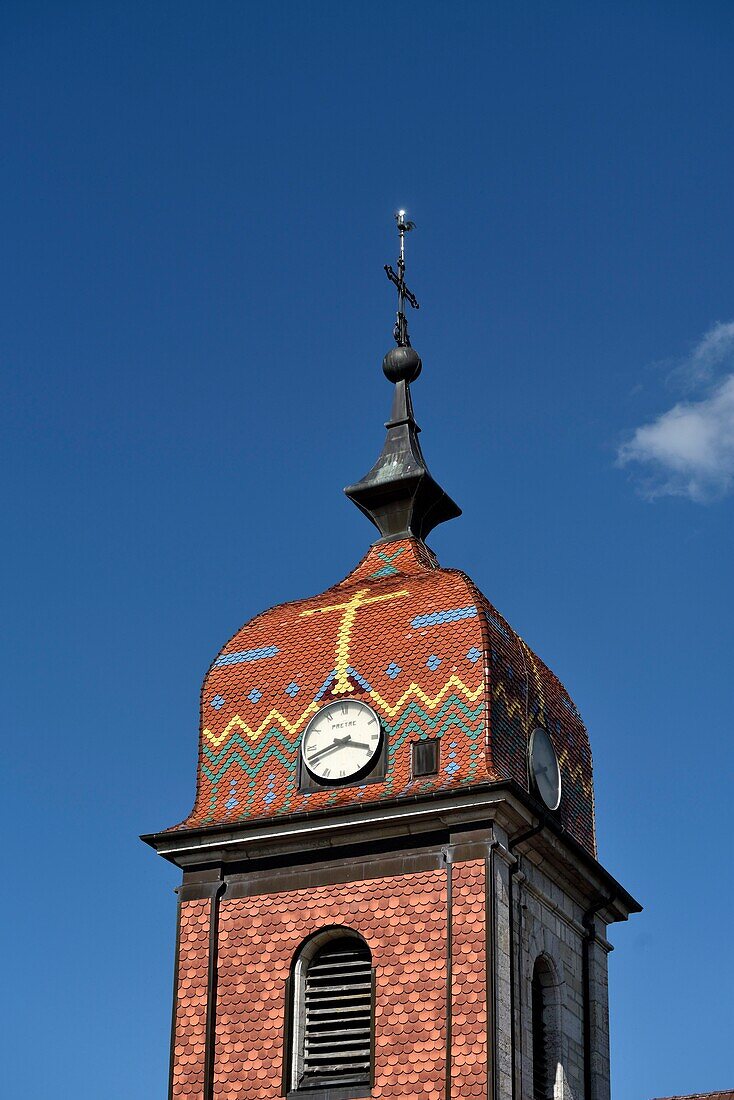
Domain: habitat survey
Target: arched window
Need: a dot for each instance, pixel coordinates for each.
(332, 991)
(545, 1032)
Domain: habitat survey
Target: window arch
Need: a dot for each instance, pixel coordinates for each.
(332, 1012)
(544, 1029)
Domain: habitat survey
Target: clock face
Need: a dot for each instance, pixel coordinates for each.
(341, 740)
(544, 768)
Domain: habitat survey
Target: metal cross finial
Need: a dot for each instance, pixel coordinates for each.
(400, 332)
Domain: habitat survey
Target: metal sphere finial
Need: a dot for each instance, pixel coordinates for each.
(402, 364)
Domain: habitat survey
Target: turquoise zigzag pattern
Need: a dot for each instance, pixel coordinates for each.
(453, 702)
(262, 754)
(275, 744)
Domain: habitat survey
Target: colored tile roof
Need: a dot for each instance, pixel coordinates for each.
(726, 1094)
(428, 653)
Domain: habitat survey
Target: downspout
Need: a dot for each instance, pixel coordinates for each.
(491, 962)
(514, 868)
(174, 1014)
(211, 993)
(588, 938)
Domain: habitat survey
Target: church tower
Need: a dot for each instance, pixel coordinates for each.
(390, 879)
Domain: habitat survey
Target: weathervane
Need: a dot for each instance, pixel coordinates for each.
(400, 332)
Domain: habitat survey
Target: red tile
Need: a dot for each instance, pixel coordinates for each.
(408, 617)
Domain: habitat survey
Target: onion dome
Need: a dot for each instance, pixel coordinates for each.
(429, 654)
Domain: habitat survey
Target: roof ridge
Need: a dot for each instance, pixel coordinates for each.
(697, 1095)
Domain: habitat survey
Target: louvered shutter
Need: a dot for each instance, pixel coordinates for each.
(337, 1015)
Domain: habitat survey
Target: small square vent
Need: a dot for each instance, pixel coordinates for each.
(425, 758)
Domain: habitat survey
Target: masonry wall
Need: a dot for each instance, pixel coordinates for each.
(549, 923)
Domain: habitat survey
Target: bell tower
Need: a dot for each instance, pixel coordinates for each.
(390, 884)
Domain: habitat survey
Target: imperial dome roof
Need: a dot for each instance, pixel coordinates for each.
(420, 644)
(430, 655)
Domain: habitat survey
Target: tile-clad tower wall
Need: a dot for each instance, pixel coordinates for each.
(402, 918)
(191, 1000)
(468, 981)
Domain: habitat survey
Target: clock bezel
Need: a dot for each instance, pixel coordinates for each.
(531, 768)
(372, 772)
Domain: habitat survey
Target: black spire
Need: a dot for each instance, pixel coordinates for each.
(398, 494)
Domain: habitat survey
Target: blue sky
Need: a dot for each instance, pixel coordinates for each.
(196, 203)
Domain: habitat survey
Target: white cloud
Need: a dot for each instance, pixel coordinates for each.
(688, 451)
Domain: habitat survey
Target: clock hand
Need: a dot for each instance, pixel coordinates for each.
(347, 740)
(322, 752)
(337, 743)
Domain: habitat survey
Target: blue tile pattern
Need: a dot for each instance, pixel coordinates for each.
(388, 569)
(270, 794)
(498, 626)
(437, 617)
(246, 655)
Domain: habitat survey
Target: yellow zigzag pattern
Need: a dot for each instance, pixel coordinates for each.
(536, 676)
(577, 771)
(515, 707)
(431, 704)
(273, 718)
(276, 718)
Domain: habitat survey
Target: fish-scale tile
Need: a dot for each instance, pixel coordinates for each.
(468, 981)
(249, 1039)
(190, 1033)
(428, 627)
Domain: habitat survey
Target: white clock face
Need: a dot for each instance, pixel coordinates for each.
(544, 768)
(341, 740)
